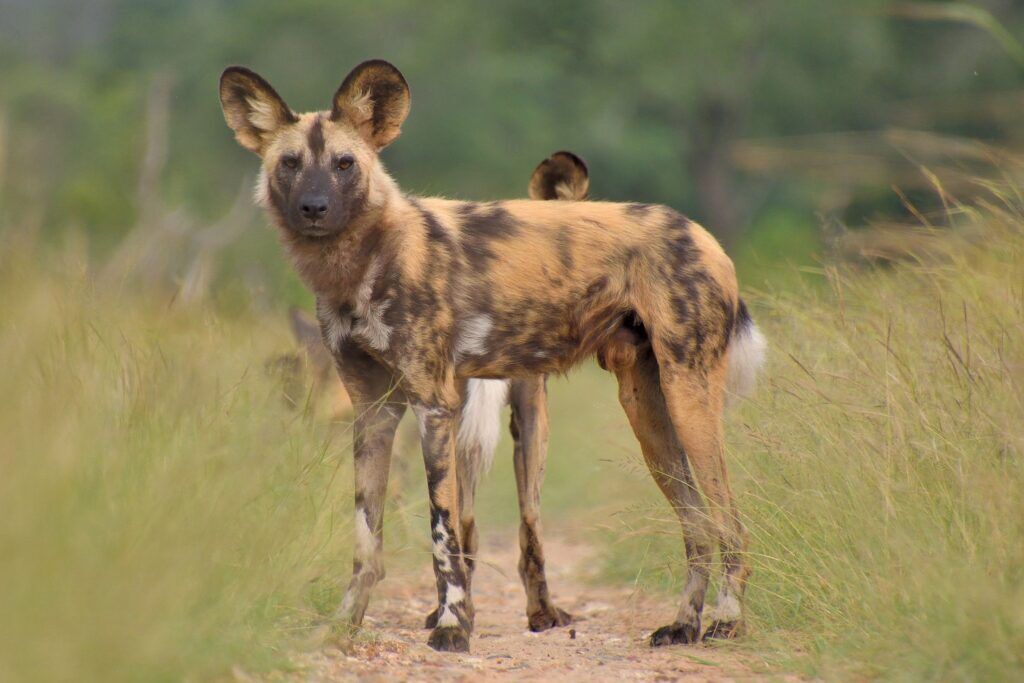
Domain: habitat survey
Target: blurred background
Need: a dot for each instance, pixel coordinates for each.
(764, 120)
(168, 516)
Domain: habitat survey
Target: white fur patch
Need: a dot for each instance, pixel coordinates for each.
(261, 193)
(370, 324)
(480, 423)
(441, 547)
(367, 321)
(447, 617)
(366, 543)
(454, 595)
(348, 604)
(472, 337)
(336, 326)
(746, 356)
(727, 607)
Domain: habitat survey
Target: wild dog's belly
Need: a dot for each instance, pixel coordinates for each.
(532, 337)
(526, 344)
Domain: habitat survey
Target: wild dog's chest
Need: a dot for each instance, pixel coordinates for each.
(360, 317)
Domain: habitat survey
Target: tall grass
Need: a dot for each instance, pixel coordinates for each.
(881, 467)
(163, 513)
(166, 515)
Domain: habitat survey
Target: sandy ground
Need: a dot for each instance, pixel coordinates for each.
(607, 642)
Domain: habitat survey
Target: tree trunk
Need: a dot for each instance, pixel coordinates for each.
(717, 199)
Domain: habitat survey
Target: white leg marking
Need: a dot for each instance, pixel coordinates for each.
(366, 542)
(441, 547)
(727, 607)
(447, 617)
(454, 595)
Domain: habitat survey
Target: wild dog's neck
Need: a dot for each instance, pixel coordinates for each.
(333, 268)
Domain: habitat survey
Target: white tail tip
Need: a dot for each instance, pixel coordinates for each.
(480, 427)
(747, 351)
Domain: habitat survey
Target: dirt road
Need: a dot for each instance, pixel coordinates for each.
(607, 642)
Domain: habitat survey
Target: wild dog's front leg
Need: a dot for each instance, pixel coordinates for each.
(529, 427)
(467, 476)
(379, 409)
(438, 426)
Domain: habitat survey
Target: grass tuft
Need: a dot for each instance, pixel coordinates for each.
(165, 514)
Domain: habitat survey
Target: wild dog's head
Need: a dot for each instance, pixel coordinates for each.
(563, 175)
(320, 169)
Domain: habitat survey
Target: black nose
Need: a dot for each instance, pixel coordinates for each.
(314, 207)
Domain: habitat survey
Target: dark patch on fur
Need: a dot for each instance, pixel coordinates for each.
(638, 211)
(316, 138)
(482, 225)
(563, 245)
(742, 319)
(436, 232)
(279, 187)
(489, 220)
(597, 286)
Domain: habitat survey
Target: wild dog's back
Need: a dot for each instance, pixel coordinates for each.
(536, 286)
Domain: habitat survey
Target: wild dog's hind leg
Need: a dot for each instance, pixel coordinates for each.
(529, 427)
(378, 410)
(695, 398)
(642, 399)
(438, 418)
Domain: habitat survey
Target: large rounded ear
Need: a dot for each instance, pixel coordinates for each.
(252, 108)
(375, 98)
(563, 175)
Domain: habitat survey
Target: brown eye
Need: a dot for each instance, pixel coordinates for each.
(345, 163)
(290, 162)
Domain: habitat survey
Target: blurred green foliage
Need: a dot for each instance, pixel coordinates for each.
(652, 94)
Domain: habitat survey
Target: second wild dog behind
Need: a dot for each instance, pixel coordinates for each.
(417, 295)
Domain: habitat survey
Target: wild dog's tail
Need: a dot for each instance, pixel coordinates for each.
(480, 426)
(746, 355)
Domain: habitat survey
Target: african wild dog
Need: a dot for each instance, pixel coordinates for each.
(563, 175)
(416, 295)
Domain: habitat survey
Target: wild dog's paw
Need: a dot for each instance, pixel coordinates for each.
(676, 633)
(550, 617)
(723, 629)
(449, 639)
